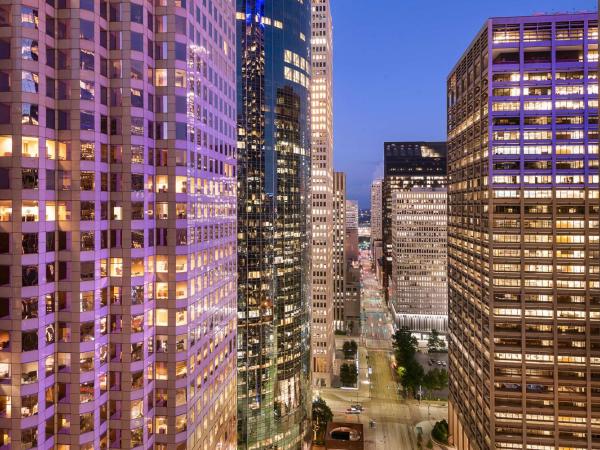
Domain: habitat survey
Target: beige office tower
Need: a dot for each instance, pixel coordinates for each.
(322, 337)
(376, 223)
(339, 249)
(419, 294)
(523, 244)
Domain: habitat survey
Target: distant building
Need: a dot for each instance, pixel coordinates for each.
(523, 236)
(407, 165)
(377, 228)
(376, 211)
(351, 230)
(339, 248)
(364, 216)
(419, 282)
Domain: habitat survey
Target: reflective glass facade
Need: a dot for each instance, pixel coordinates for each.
(523, 237)
(273, 180)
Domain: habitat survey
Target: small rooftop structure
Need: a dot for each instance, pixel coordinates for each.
(344, 436)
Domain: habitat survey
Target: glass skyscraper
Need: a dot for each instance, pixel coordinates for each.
(273, 180)
(523, 239)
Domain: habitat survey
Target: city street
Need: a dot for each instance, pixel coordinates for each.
(395, 419)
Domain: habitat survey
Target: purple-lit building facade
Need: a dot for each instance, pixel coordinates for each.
(524, 283)
(117, 224)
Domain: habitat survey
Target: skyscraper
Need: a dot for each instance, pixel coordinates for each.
(322, 337)
(419, 287)
(407, 165)
(524, 284)
(339, 248)
(273, 201)
(117, 225)
(351, 241)
(377, 225)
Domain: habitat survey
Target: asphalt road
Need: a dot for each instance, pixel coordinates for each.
(395, 419)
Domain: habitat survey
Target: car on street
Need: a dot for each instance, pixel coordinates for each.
(352, 411)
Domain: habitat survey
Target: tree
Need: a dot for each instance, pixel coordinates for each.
(413, 376)
(440, 432)
(405, 345)
(348, 375)
(435, 380)
(350, 348)
(435, 343)
(321, 412)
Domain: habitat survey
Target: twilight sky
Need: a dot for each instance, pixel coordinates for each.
(391, 62)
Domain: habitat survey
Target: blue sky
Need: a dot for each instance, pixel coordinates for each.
(391, 59)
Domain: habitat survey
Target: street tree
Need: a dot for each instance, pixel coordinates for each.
(413, 376)
(405, 346)
(435, 343)
(348, 375)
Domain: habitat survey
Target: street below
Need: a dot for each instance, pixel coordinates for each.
(395, 419)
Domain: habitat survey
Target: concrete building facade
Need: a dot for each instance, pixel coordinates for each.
(419, 282)
(524, 246)
(117, 225)
(322, 336)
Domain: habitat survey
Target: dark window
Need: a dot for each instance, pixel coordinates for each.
(4, 81)
(50, 241)
(4, 275)
(30, 243)
(137, 13)
(4, 48)
(86, 30)
(63, 120)
(87, 270)
(30, 275)
(30, 178)
(29, 308)
(4, 307)
(87, 120)
(87, 4)
(50, 87)
(4, 113)
(4, 243)
(180, 104)
(180, 51)
(137, 182)
(50, 179)
(30, 341)
(137, 41)
(4, 178)
(180, 131)
(50, 118)
(62, 240)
